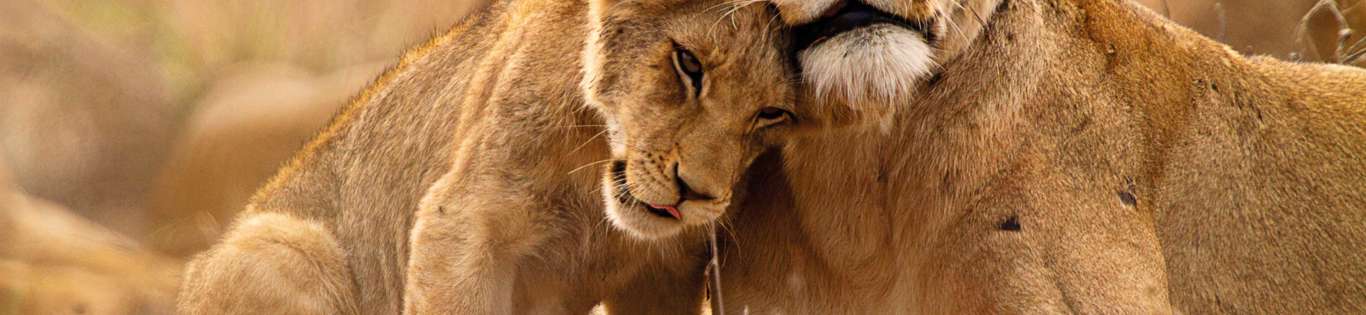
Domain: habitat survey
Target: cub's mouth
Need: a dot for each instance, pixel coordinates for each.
(849, 16)
(628, 200)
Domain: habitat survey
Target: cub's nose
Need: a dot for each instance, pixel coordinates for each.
(686, 192)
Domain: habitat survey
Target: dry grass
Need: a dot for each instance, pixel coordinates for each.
(1349, 44)
(99, 99)
(1320, 31)
(97, 92)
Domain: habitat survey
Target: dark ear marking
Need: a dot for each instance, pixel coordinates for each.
(1128, 198)
(928, 28)
(934, 80)
(1011, 224)
(1126, 195)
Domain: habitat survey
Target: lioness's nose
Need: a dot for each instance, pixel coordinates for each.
(686, 192)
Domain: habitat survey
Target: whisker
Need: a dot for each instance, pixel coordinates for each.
(590, 164)
(583, 126)
(586, 142)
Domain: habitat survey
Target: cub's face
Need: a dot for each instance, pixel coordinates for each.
(692, 92)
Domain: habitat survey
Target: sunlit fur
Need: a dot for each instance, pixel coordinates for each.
(1074, 156)
(661, 131)
(468, 179)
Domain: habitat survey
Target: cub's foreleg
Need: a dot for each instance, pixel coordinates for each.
(668, 289)
(270, 264)
(465, 249)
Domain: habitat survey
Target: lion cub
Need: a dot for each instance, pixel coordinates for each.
(690, 93)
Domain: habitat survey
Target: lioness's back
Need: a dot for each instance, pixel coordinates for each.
(1263, 205)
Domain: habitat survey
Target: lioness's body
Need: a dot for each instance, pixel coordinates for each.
(1081, 155)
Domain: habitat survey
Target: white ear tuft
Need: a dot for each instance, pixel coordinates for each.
(591, 59)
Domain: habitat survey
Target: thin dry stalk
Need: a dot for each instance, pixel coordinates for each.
(1223, 20)
(1346, 52)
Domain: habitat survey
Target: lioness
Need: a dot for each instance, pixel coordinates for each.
(1068, 155)
(688, 92)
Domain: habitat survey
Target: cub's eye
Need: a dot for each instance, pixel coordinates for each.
(688, 63)
(689, 68)
(772, 115)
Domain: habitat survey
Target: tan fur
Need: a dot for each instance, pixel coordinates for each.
(491, 120)
(1073, 155)
(677, 146)
(523, 229)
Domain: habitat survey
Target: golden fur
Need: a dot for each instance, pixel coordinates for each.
(489, 122)
(1072, 155)
(516, 227)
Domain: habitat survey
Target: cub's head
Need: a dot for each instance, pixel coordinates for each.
(691, 91)
(861, 59)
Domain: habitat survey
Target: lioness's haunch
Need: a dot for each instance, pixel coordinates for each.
(504, 125)
(1059, 155)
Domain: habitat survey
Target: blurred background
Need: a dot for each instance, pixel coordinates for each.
(131, 131)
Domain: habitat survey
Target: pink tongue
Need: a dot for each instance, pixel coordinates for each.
(671, 209)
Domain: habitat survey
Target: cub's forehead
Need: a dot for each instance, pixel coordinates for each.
(739, 29)
(722, 23)
(692, 9)
(797, 12)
